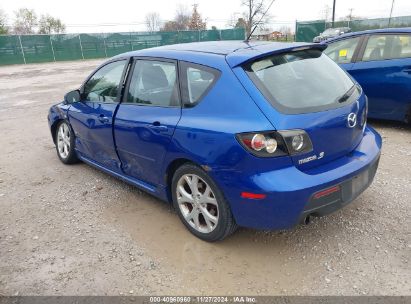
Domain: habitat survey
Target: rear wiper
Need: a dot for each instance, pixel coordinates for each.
(347, 95)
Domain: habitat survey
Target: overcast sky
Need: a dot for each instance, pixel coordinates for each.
(83, 15)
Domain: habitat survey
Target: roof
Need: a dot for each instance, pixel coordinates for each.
(213, 47)
(376, 31)
(235, 52)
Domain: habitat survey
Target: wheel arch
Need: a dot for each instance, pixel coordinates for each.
(169, 173)
(53, 128)
(57, 114)
(172, 168)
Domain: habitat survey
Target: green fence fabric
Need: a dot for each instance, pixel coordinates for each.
(306, 31)
(37, 48)
(66, 47)
(11, 52)
(46, 48)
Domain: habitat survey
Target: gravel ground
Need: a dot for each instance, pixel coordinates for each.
(72, 230)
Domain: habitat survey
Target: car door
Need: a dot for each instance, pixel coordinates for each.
(384, 72)
(147, 117)
(92, 117)
(344, 51)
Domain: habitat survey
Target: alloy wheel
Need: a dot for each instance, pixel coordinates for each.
(197, 203)
(63, 140)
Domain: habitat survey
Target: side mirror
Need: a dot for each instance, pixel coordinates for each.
(72, 96)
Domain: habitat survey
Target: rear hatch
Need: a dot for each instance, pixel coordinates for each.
(304, 89)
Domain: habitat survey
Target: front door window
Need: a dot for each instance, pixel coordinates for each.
(104, 85)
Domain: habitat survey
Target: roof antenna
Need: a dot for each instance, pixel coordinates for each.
(255, 26)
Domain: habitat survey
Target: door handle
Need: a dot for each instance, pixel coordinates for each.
(103, 118)
(158, 127)
(407, 70)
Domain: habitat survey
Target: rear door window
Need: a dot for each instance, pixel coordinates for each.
(154, 83)
(197, 80)
(388, 46)
(302, 81)
(342, 51)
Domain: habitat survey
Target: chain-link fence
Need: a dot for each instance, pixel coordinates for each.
(306, 31)
(45, 48)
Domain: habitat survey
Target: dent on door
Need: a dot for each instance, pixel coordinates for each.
(92, 123)
(145, 122)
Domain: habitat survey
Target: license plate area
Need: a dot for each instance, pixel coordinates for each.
(355, 186)
(359, 183)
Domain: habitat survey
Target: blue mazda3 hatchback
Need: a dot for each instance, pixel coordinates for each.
(253, 134)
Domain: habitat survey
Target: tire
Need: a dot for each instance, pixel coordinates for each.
(65, 141)
(204, 212)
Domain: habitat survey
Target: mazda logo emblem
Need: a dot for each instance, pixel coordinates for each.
(352, 120)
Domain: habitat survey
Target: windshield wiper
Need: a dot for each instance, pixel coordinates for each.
(347, 95)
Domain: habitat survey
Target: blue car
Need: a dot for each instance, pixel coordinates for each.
(380, 60)
(252, 134)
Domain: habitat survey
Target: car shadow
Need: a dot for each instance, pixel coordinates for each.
(389, 124)
(154, 223)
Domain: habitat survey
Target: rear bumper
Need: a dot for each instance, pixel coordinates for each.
(340, 195)
(290, 192)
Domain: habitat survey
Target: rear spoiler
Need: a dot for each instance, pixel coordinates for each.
(245, 55)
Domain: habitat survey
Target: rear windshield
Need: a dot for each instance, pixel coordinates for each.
(302, 81)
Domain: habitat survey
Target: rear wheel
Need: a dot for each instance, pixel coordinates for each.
(65, 143)
(200, 204)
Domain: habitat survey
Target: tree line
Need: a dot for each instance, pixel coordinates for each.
(26, 21)
(186, 20)
(183, 20)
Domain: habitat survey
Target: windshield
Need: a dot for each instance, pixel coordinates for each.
(302, 81)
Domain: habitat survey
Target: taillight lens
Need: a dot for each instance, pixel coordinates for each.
(263, 144)
(269, 144)
(258, 142)
(297, 141)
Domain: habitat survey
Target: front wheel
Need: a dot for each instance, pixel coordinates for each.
(65, 143)
(201, 205)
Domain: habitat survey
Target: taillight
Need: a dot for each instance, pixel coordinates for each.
(263, 144)
(276, 143)
(297, 141)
